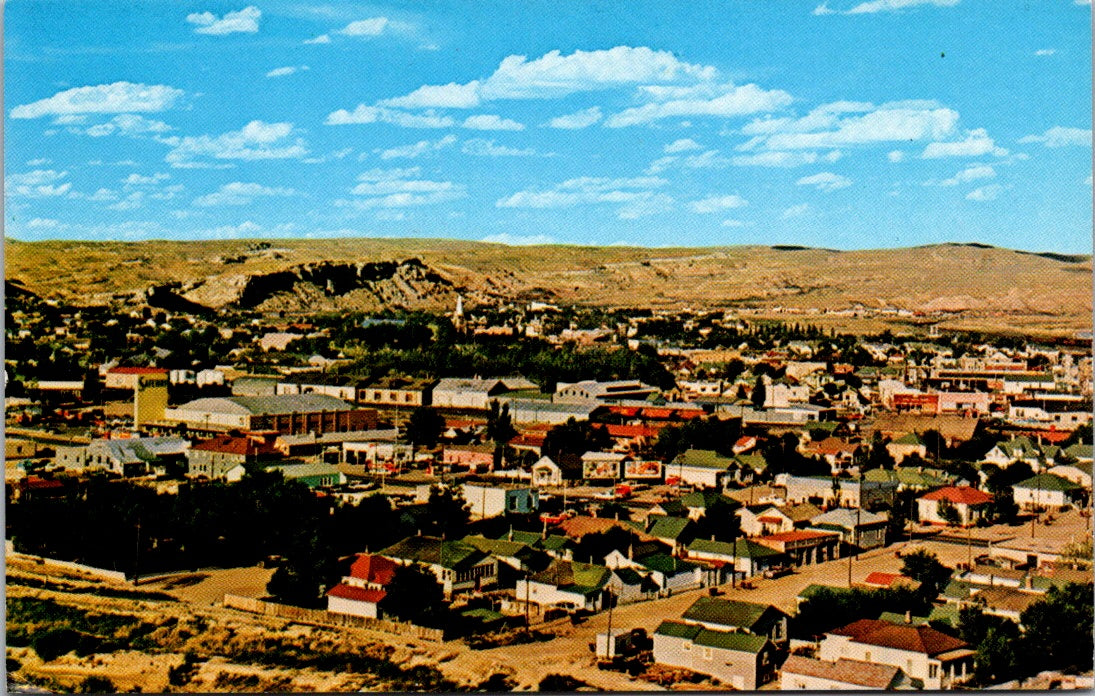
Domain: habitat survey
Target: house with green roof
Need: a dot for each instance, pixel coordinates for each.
(555, 545)
(1047, 491)
(912, 478)
(513, 554)
(699, 467)
(739, 660)
(744, 556)
(718, 614)
(311, 474)
(1079, 472)
(697, 502)
(459, 567)
(906, 446)
(673, 531)
(566, 584)
(665, 573)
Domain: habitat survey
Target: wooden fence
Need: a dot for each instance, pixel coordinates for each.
(321, 617)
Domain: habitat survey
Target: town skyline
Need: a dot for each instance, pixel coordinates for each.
(696, 126)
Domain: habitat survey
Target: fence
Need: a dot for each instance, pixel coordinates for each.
(320, 617)
(69, 565)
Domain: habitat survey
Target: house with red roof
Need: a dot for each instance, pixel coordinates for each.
(935, 659)
(360, 592)
(804, 546)
(130, 377)
(226, 457)
(888, 581)
(971, 504)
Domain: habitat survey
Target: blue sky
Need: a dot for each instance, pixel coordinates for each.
(843, 124)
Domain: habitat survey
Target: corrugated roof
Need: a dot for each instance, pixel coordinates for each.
(729, 612)
(678, 629)
(357, 594)
(731, 640)
(919, 639)
(1047, 482)
(372, 568)
(855, 672)
(959, 495)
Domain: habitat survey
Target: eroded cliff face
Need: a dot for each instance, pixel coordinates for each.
(325, 286)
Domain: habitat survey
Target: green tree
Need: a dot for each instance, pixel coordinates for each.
(574, 437)
(949, 513)
(424, 427)
(500, 428)
(413, 594)
(924, 567)
(719, 522)
(760, 393)
(1058, 630)
(447, 511)
(995, 639)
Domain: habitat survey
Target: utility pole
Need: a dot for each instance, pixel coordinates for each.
(608, 643)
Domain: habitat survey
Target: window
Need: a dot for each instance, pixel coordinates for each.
(707, 653)
(933, 671)
(867, 656)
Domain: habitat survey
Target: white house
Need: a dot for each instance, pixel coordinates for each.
(703, 468)
(922, 652)
(545, 472)
(971, 505)
(360, 592)
(1047, 491)
(800, 673)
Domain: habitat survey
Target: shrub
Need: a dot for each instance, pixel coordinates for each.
(96, 685)
(55, 642)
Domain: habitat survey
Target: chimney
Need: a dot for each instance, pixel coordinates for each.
(631, 552)
(908, 616)
(510, 533)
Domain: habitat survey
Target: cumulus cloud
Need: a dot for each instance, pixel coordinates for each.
(450, 96)
(374, 26)
(796, 211)
(39, 183)
(321, 39)
(707, 160)
(287, 70)
(240, 193)
(971, 173)
(255, 141)
(896, 156)
(418, 149)
(115, 98)
(396, 188)
(682, 145)
(245, 21)
(1045, 51)
(876, 6)
(491, 122)
(701, 100)
(125, 124)
(976, 143)
(825, 181)
(488, 148)
(376, 114)
(775, 159)
(843, 124)
(714, 204)
(518, 240)
(1061, 136)
(579, 119)
(985, 193)
(136, 179)
(635, 196)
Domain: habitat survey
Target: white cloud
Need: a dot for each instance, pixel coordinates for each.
(118, 97)
(701, 100)
(875, 6)
(714, 204)
(394, 188)
(135, 179)
(45, 224)
(244, 21)
(125, 124)
(707, 160)
(39, 183)
(896, 156)
(635, 196)
(450, 96)
(39, 162)
(1045, 51)
(1061, 136)
(976, 143)
(796, 211)
(682, 145)
(376, 114)
(825, 181)
(321, 39)
(374, 26)
(823, 9)
(985, 193)
(287, 70)
(579, 119)
(842, 124)
(488, 148)
(240, 193)
(971, 173)
(554, 74)
(775, 159)
(491, 122)
(519, 240)
(730, 222)
(255, 141)
(418, 149)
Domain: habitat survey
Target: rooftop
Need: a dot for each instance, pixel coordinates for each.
(919, 639)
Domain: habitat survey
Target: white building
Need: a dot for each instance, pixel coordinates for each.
(937, 659)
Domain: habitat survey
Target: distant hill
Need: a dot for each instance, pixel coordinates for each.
(1001, 287)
